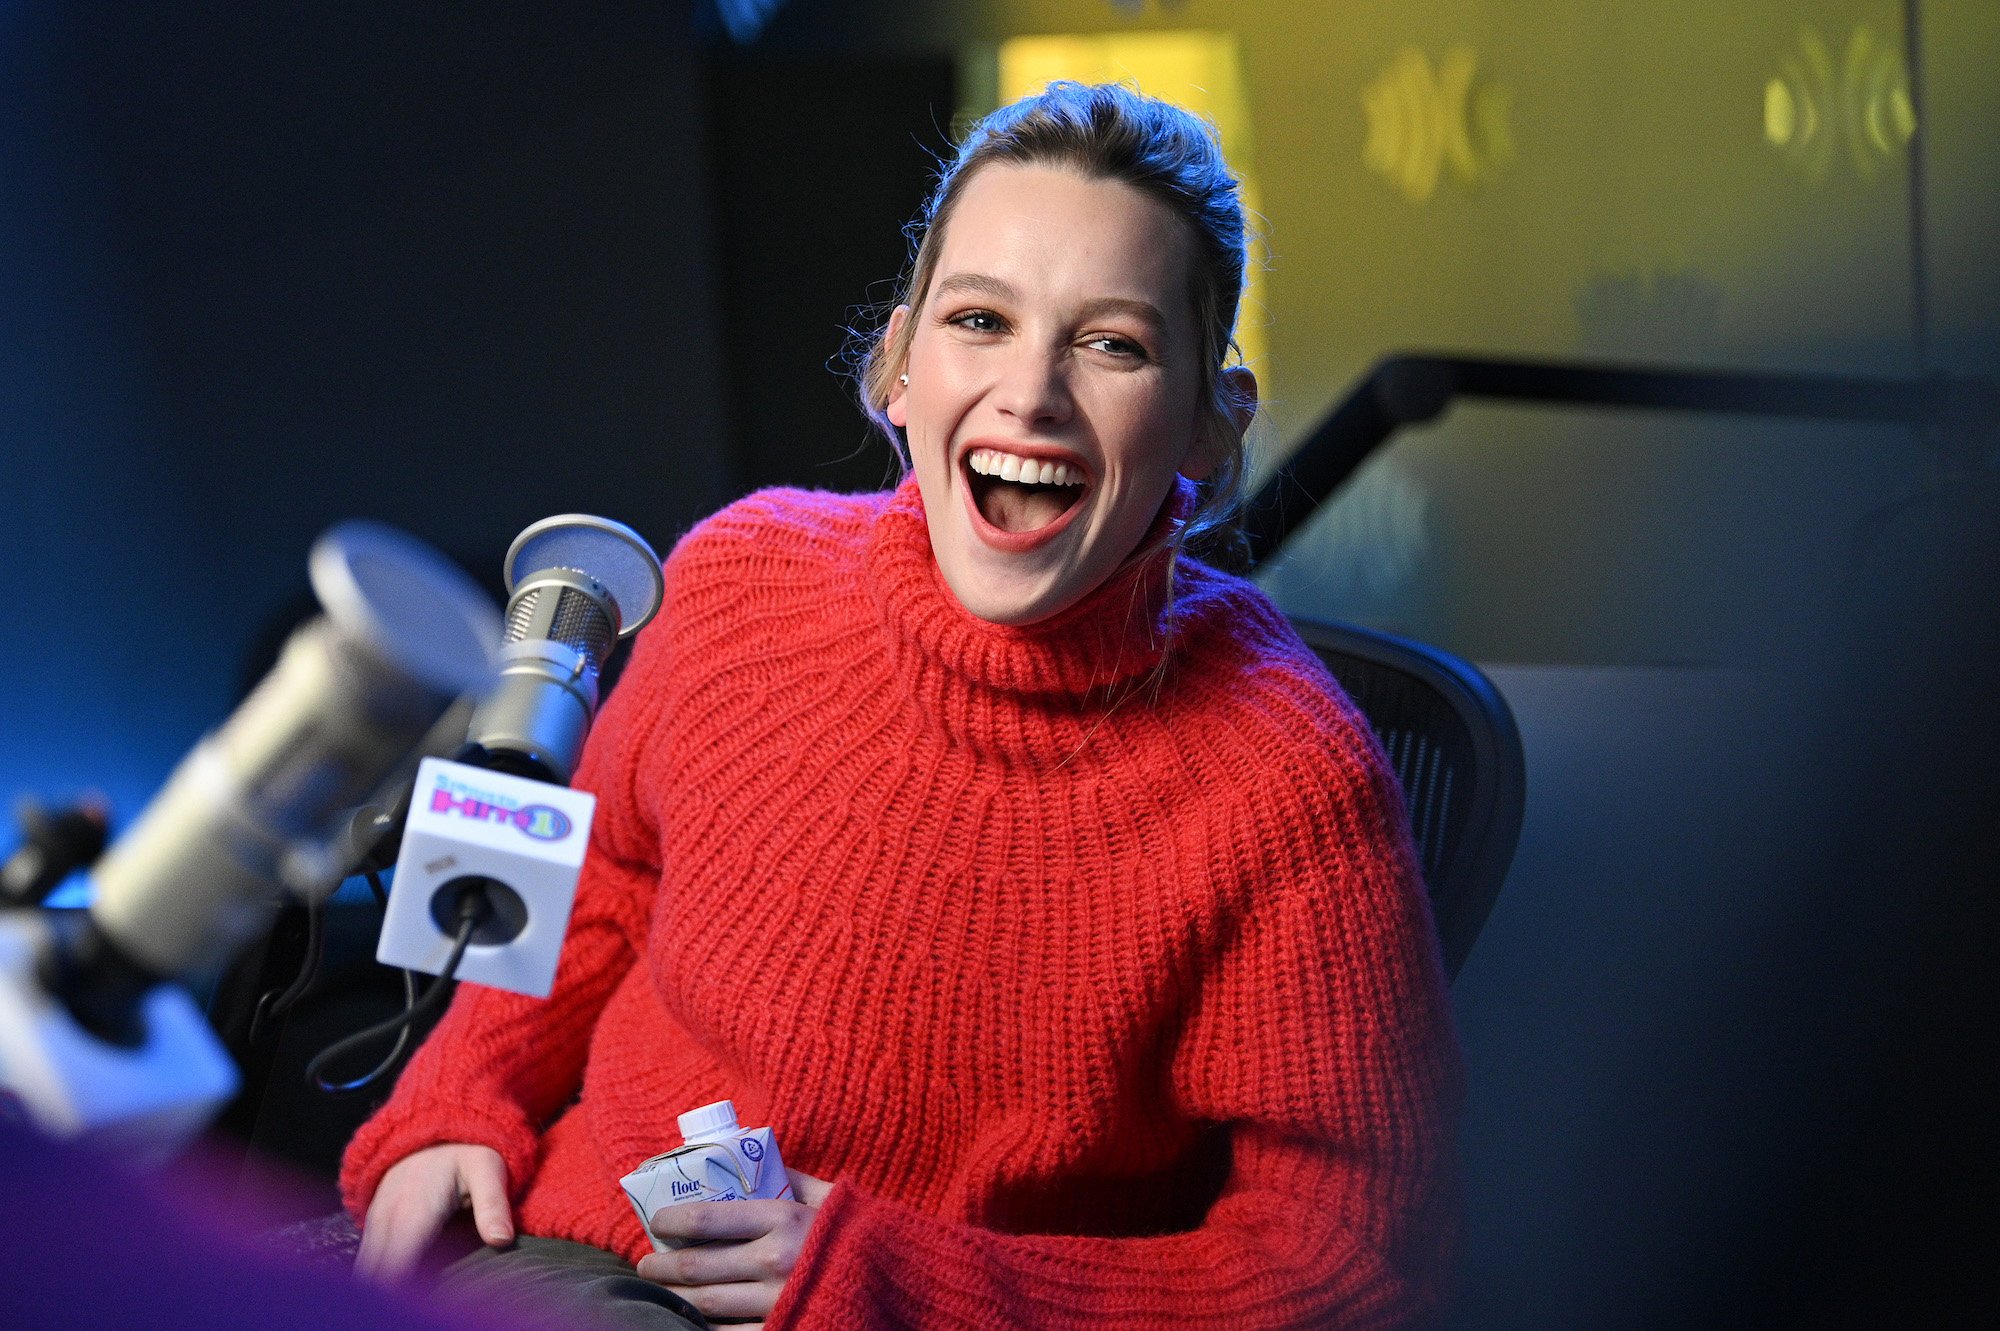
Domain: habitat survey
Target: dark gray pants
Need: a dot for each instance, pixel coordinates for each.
(567, 1283)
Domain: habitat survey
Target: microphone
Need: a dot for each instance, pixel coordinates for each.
(263, 799)
(97, 1034)
(491, 843)
(576, 584)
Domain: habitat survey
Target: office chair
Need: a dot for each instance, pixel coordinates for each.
(1456, 751)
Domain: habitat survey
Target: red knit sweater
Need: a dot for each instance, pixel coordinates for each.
(1107, 999)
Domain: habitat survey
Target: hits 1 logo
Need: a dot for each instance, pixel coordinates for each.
(539, 821)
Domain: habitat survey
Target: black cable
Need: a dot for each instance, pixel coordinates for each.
(473, 909)
(409, 984)
(395, 1053)
(274, 1004)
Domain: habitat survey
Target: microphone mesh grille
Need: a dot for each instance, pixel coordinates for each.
(579, 622)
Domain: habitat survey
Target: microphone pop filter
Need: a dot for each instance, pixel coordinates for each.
(412, 607)
(617, 557)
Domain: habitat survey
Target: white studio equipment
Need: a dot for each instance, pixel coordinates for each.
(493, 841)
(98, 1037)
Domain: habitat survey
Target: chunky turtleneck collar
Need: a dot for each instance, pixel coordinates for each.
(1118, 632)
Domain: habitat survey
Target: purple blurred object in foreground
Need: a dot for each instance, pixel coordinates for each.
(83, 1243)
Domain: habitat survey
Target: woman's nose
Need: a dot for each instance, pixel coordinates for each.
(1034, 389)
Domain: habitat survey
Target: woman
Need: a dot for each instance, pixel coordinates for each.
(1031, 879)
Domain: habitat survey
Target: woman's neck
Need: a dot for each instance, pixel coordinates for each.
(972, 676)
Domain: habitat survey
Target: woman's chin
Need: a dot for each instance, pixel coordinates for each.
(1014, 612)
(1011, 601)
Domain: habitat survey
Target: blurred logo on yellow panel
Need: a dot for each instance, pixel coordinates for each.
(1818, 105)
(1426, 122)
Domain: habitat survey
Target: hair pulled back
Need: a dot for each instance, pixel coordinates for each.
(1109, 132)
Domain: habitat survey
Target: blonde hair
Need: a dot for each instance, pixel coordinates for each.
(1110, 132)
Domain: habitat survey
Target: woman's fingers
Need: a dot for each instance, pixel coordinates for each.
(704, 1222)
(745, 1253)
(419, 1194)
(372, 1261)
(484, 1179)
(709, 1264)
(812, 1191)
(397, 1230)
(742, 1299)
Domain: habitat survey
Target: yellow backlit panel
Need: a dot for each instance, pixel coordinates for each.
(1201, 71)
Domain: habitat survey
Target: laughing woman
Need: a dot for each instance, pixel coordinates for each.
(1027, 875)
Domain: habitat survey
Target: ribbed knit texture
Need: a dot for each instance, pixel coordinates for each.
(1107, 995)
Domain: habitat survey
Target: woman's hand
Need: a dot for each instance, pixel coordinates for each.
(741, 1276)
(420, 1193)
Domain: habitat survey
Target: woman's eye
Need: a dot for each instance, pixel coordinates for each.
(976, 321)
(1115, 345)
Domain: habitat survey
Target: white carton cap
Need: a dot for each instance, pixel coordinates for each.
(709, 1121)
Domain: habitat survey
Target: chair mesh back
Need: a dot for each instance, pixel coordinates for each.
(1428, 745)
(1453, 745)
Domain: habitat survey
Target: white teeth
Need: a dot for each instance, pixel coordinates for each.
(1028, 471)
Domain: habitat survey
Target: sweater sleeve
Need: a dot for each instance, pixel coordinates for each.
(1319, 1041)
(500, 1066)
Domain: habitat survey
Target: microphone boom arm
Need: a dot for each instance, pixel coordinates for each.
(1953, 413)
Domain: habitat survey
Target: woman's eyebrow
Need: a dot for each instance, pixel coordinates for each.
(1143, 310)
(976, 284)
(994, 288)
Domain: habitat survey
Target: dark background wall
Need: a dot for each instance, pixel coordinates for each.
(818, 162)
(267, 268)
(454, 269)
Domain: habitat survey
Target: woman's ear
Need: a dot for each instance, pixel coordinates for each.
(897, 408)
(1241, 385)
(1212, 445)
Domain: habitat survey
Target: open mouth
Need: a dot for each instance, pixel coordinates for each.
(1021, 495)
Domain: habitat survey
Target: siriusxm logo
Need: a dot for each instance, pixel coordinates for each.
(539, 821)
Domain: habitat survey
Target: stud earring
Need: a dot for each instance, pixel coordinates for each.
(904, 380)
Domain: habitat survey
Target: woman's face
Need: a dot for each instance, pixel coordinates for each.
(1053, 386)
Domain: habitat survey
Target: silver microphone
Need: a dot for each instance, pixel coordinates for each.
(265, 799)
(576, 585)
